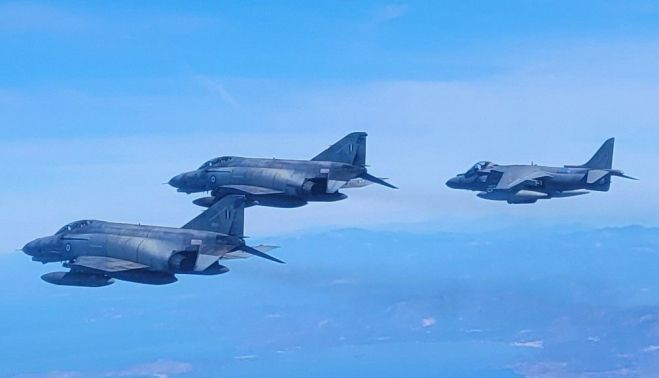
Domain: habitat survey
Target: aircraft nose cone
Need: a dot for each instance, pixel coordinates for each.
(31, 248)
(453, 183)
(177, 181)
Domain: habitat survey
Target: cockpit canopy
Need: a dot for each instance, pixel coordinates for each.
(217, 162)
(478, 167)
(74, 226)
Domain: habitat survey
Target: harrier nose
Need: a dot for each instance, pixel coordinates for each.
(453, 183)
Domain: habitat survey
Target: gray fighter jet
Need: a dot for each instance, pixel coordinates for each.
(283, 183)
(97, 252)
(530, 183)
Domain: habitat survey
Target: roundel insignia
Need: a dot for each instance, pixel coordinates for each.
(213, 179)
(67, 247)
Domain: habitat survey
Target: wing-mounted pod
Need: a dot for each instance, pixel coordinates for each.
(77, 279)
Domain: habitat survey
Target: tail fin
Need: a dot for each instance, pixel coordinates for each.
(350, 150)
(603, 158)
(227, 217)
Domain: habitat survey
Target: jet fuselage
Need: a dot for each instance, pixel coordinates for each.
(165, 251)
(562, 179)
(293, 182)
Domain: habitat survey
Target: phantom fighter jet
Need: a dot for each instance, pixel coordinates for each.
(518, 184)
(97, 252)
(283, 183)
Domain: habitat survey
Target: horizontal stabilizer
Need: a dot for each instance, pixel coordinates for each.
(376, 180)
(358, 183)
(266, 248)
(619, 173)
(255, 252)
(594, 175)
(243, 255)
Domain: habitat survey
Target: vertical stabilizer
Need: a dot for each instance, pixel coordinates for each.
(227, 217)
(603, 158)
(350, 150)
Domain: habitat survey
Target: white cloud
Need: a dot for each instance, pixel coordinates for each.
(535, 344)
(159, 368)
(651, 348)
(218, 88)
(246, 357)
(428, 322)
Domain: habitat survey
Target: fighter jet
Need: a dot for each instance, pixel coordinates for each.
(518, 184)
(283, 183)
(96, 252)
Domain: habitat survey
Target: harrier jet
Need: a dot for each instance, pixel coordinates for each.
(283, 183)
(97, 252)
(530, 183)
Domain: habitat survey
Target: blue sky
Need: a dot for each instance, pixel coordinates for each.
(55, 42)
(102, 102)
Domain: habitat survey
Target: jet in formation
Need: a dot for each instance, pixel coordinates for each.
(96, 252)
(283, 183)
(519, 184)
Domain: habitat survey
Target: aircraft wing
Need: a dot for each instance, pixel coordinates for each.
(512, 178)
(107, 264)
(250, 189)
